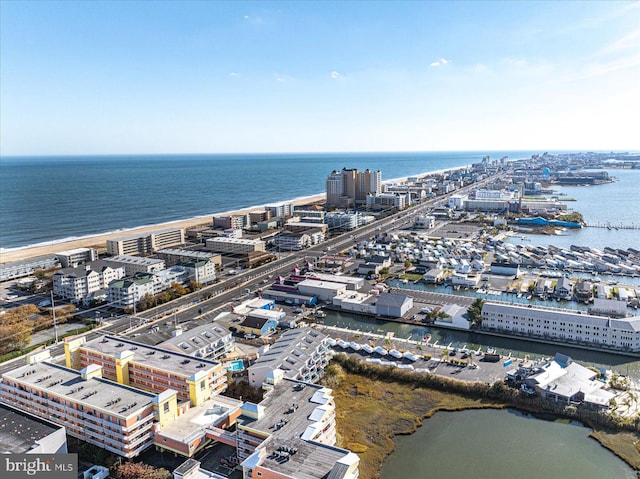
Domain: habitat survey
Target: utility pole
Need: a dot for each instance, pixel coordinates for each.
(53, 312)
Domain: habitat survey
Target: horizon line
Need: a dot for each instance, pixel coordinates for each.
(572, 150)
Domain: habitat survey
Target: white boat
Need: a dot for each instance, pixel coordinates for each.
(368, 349)
(355, 346)
(331, 342)
(410, 356)
(342, 343)
(395, 353)
(380, 350)
(406, 366)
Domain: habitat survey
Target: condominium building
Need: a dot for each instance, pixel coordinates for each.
(145, 243)
(291, 433)
(290, 241)
(209, 341)
(232, 221)
(137, 264)
(284, 208)
(350, 187)
(149, 368)
(235, 245)
(388, 200)
(563, 325)
(74, 257)
(112, 416)
(298, 354)
(173, 256)
(126, 292)
(80, 282)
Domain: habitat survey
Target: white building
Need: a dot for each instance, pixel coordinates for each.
(210, 341)
(298, 354)
(137, 264)
(235, 245)
(74, 257)
(284, 208)
(609, 307)
(389, 200)
(457, 202)
(145, 243)
(79, 283)
(323, 290)
(563, 325)
(126, 292)
(424, 221)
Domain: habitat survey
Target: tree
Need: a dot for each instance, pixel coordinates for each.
(475, 312)
(138, 470)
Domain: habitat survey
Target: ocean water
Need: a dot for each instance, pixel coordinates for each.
(49, 199)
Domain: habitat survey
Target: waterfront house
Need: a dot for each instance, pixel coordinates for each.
(564, 288)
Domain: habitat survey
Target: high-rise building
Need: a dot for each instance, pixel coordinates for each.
(350, 187)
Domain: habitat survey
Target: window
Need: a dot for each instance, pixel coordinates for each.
(166, 407)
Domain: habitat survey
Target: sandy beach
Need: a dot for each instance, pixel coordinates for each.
(99, 241)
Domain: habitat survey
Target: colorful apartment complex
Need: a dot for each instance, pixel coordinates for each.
(112, 416)
(149, 368)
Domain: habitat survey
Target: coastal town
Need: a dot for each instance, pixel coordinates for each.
(176, 320)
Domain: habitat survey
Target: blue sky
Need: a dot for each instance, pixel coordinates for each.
(217, 77)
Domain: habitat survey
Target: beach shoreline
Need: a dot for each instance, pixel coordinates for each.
(98, 241)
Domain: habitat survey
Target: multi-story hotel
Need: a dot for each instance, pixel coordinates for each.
(298, 354)
(148, 368)
(210, 341)
(80, 282)
(113, 416)
(235, 245)
(292, 431)
(281, 209)
(563, 325)
(145, 243)
(350, 187)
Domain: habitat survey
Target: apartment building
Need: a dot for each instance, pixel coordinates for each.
(281, 209)
(388, 200)
(236, 222)
(564, 325)
(293, 430)
(137, 264)
(235, 245)
(149, 368)
(74, 257)
(99, 411)
(126, 292)
(298, 354)
(80, 282)
(209, 341)
(142, 244)
(173, 256)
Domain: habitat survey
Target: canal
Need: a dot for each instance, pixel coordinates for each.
(627, 366)
(497, 444)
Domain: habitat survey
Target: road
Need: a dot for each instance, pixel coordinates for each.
(188, 307)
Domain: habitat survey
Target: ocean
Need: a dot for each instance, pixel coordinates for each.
(45, 200)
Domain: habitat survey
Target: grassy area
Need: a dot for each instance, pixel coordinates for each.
(625, 445)
(373, 405)
(370, 412)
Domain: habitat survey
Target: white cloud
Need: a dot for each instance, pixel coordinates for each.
(234, 74)
(253, 20)
(442, 61)
(516, 62)
(282, 78)
(630, 40)
(335, 75)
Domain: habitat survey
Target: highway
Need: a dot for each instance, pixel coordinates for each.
(233, 287)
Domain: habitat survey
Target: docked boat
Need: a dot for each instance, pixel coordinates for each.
(320, 314)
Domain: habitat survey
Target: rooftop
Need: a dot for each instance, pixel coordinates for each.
(151, 356)
(114, 398)
(20, 432)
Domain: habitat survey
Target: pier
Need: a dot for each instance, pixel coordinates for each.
(609, 226)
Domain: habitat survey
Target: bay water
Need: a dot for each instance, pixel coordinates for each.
(501, 444)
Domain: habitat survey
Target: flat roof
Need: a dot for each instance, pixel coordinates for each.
(20, 431)
(151, 356)
(312, 460)
(147, 234)
(114, 398)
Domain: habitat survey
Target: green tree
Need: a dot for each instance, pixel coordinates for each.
(474, 312)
